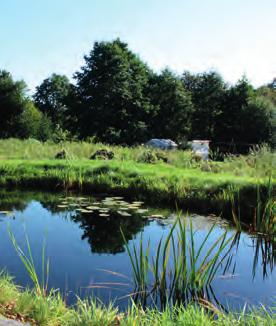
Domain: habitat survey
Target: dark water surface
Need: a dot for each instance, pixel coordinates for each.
(87, 254)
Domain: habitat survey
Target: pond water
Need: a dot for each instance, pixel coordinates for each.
(87, 253)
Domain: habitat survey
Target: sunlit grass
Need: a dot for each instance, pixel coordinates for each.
(51, 310)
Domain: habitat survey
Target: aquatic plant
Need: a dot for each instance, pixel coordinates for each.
(262, 218)
(179, 272)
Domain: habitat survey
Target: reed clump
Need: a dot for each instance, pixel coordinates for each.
(178, 272)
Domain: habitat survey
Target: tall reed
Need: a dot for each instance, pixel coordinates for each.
(178, 272)
(28, 262)
(261, 218)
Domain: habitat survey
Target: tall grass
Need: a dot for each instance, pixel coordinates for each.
(265, 212)
(259, 163)
(29, 264)
(261, 216)
(178, 271)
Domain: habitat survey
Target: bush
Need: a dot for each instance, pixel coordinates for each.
(152, 157)
(102, 154)
(61, 155)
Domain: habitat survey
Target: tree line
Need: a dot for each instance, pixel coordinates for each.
(116, 98)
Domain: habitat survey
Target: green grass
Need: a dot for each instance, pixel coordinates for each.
(258, 164)
(51, 310)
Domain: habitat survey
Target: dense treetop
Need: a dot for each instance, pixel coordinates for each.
(116, 98)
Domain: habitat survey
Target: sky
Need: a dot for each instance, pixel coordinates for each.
(233, 37)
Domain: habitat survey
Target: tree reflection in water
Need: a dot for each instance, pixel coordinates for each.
(103, 233)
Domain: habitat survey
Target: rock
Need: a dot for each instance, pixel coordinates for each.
(102, 154)
(10, 322)
(161, 144)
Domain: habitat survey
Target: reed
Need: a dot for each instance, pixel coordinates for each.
(262, 218)
(29, 264)
(178, 272)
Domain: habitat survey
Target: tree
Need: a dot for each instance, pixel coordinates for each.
(258, 121)
(52, 98)
(208, 91)
(32, 123)
(12, 102)
(268, 91)
(111, 87)
(173, 107)
(232, 121)
(29, 121)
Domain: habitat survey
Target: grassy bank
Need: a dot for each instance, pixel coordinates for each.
(27, 305)
(199, 186)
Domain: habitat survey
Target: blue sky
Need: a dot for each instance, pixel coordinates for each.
(234, 37)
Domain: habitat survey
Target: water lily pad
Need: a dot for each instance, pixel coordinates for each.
(123, 203)
(141, 211)
(123, 213)
(133, 207)
(124, 208)
(157, 216)
(109, 203)
(85, 210)
(93, 207)
(6, 213)
(104, 215)
(104, 210)
(62, 206)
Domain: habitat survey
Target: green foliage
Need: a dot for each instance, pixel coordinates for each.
(259, 116)
(29, 122)
(52, 98)
(173, 107)
(102, 154)
(111, 89)
(232, 123)
(12, 103)
(208, 92)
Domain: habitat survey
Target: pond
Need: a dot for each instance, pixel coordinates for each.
(87, 253)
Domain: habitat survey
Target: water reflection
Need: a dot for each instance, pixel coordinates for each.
(104, 234)
(264, 255)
